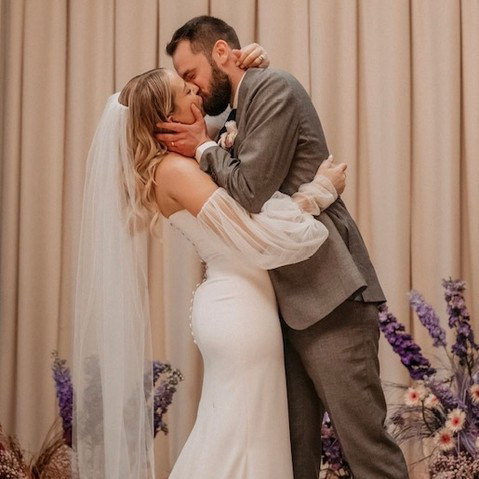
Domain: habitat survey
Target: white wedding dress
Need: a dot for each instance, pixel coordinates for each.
(241, 430)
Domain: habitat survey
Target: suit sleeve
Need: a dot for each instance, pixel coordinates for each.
(265, 154)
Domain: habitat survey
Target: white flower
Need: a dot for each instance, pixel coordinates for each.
(227, 138)
(445, 440)
(455, 420)
(474, 392)
(412, 397)
(431, 401)
(421, 389)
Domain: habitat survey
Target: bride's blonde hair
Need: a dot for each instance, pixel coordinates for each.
(149, 98)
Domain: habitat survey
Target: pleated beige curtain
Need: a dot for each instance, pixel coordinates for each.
(394, 82)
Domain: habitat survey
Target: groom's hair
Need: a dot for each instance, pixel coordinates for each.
(202, 33)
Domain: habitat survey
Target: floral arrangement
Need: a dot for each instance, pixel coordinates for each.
(441, 407)
(54, 459)
(64, 394)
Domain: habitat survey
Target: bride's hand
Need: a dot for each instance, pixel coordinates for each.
(252, 55)
(336, 174)
(323, 191)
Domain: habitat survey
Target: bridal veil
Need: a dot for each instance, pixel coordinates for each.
(112, 368)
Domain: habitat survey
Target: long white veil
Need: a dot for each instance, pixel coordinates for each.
(112, 367)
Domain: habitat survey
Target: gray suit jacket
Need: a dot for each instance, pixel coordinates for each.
(280, 145)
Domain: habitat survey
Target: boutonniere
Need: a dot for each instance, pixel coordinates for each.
(227, 138)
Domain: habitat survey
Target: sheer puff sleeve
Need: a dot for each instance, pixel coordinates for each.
(316, 196)
(280, 234)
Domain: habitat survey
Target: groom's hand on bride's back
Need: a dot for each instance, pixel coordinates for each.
(184, 139)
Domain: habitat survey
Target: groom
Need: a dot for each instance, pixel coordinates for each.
(328, 303)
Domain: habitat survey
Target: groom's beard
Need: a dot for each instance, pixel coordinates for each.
(220, 88)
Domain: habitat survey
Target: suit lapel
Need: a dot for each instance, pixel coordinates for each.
(243, 93)
(243, 100)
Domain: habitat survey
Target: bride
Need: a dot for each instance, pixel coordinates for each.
(241, 430)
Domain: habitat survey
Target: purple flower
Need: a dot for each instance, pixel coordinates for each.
(446, 397)
(464, 347)
(331, 453)
(402, 343)
(428, 317)
(163, 395)
(64, 393)
(159, 368)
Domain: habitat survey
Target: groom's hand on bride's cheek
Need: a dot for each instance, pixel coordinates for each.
(184, 139)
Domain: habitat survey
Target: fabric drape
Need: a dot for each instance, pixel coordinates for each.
(395, 85)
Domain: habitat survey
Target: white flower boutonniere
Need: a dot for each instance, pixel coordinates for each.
(227, 138)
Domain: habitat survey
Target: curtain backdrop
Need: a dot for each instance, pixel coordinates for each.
(394, 82)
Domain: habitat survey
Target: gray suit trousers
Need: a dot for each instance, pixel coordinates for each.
(333, 366)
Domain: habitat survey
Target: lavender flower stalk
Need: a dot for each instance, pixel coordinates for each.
(446, 397)
(64, 393)
(402, 343)
(163, 395)
(331, 453)
(465, 348)
(428, 317)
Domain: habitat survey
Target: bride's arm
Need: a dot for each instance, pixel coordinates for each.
(252, 55)
(281, 234)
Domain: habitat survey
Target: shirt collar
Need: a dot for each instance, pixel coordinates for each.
(235, 99)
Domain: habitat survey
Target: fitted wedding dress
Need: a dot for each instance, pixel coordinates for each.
(241, 430)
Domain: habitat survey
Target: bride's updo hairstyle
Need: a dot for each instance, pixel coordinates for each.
(149, 99)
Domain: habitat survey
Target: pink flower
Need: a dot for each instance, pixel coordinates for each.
(412, 397)
(445, 440)
(455, 420)
(474, 392)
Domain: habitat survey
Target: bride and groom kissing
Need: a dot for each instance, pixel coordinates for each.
(286, 319)
(327, 303)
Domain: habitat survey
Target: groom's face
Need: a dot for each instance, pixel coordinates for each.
(213, 84)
